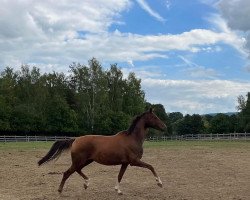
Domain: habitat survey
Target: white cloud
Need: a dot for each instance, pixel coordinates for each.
(237, 40)
(144, 5)
(126, 46)
(236, 14)
(58, 18)
(144, 72)
(53, 34)
(197, 71)
(201, 96)
(47, 31)
(201, 72)
(59, 33)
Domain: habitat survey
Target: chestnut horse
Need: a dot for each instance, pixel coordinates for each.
(125, 148)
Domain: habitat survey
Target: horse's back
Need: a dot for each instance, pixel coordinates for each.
(98, 141)
(86, 143)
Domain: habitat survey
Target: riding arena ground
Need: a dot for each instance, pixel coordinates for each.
(190, 170)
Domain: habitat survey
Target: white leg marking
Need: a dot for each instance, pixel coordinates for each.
(117, 188)
(86, 184)
(159, 182)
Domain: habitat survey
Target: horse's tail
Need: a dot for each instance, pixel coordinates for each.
(57, 148)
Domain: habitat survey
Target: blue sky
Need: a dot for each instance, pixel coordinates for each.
(192, 56)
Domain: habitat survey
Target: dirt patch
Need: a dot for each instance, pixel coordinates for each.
(186, 173)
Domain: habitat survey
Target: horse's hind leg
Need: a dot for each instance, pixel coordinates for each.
(66, 175)
(86, 184)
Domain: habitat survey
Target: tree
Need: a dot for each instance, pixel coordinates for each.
(243, 119)
(220, 124)
(134, 96)
(88, 99)
(241, 103)
(116, 88)
(189, 125)
(175, 116)
(60, 118)
(5, 113)
(90, 85)
(234, 123)
(7, 97)
(245, 115)
(8, 83)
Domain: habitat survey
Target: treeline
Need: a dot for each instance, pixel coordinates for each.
(88, 99)
(92, 100)
(178, 124)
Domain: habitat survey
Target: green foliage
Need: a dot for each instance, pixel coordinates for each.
(5, 113)
(245, 115)
(189, 125)
(175, 116)
(220, 124)
(87, 100)
(60, 118)
(91, 100)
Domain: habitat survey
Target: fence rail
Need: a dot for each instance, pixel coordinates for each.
(230, 136)
(7, 138)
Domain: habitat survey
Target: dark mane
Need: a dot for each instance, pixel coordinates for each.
(134, 122)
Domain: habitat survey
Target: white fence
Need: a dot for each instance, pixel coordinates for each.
(230, 136)
(8, 138)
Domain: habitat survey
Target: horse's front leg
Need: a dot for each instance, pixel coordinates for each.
(121, 173)
(139, 163)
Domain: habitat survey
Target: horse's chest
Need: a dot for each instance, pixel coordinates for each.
(140, 153)
(136, 152)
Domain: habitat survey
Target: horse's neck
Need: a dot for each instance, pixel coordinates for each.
(139, 132)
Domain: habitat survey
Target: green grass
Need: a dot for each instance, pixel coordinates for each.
(25, 145)
(166, 144)
(189, 144)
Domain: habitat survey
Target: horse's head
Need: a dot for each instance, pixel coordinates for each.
(152, 121)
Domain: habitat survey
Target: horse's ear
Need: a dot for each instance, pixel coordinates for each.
(151, 110)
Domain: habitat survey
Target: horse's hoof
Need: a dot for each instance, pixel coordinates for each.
(85, 186)
(59, 190)
(159, 184)
(119, 193)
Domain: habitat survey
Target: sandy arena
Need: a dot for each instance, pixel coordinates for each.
(187, 172)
